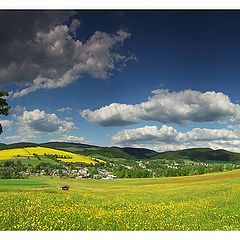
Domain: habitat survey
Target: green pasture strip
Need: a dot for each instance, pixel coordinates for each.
(22, 182)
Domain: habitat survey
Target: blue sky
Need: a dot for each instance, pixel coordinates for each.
(164, 80)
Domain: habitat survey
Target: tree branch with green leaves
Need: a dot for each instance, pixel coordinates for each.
(4, 107)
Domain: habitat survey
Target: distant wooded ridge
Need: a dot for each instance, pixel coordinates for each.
(195, 154)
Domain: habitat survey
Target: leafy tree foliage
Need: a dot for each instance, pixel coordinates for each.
(4, 107)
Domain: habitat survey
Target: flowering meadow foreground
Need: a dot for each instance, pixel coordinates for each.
(206, 202)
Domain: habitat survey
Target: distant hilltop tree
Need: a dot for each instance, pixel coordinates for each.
(4, 107)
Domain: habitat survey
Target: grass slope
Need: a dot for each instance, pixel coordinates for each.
(206, 202)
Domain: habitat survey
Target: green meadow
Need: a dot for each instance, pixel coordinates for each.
(206, 202)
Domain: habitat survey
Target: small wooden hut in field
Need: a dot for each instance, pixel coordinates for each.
(65, 187)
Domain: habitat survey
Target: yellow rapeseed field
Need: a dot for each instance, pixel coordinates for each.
(29, 151)
(74, 157)
(9, 153)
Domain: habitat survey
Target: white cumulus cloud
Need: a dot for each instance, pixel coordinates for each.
(168, 107)
(169, 138)
(113, 115)
(40, 121)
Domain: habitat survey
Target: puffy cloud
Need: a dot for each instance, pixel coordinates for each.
(147, 133)
(40, 121)
(51, 56)
(205, 134)
(168, 138)
(168, 107)
(113, 115)
(71, 58)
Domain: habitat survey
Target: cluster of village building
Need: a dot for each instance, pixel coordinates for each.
(73, 173)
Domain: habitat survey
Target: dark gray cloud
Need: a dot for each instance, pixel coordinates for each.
(19, 26)
(18, 54)
(39, 50)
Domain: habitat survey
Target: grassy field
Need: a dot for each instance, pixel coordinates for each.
(34, 161)
(13, 154)
(206, 202)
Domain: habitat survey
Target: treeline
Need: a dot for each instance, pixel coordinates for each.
(170, 171)
(123, 172)
(15, 170)
(189, 170)
(56, 156)
(10, 169)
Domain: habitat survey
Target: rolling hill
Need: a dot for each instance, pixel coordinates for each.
(106, 152)
(200, 154)
(17, 145)
(134, 154)
(85, 152)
